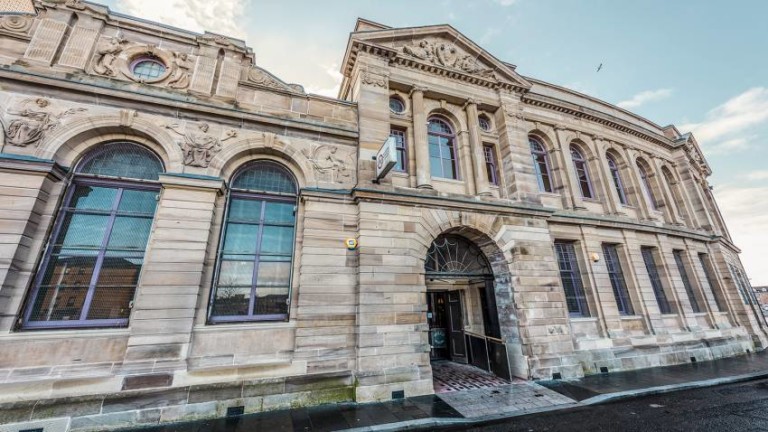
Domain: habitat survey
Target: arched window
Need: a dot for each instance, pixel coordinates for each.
(616, 176)
(582, 173)
(89, 272)
(646, 182)
(443, 161)
(541, 165)
(253, 270)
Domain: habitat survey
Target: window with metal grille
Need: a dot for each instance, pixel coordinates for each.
(400, 149)
(396, 105)
(582, 172)
(491, 167)
(616, 177)
(540, 165)
(616, 275)
(253, 273)
(90, 269)
(678, 254)
(443, 161)
(710, 278)
(741, 283)
(571, 278)
(653, 275)
(484, 123)
(147, 68)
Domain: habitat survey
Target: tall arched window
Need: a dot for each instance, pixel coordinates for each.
(253, 273)
(443, 161)
(89, 272)
(541, 165)
(646, 183)
(582, 173)
(677, 195)
(616, 176)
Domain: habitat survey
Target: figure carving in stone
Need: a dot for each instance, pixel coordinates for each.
(34, 122)
(180, 77)
(199, 146)
(447, 54)
(424, 50)
(375, 80)
(326, 162)
(106, 55)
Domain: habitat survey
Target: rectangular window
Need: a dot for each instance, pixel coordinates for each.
(491, 166)
(741, 284)
(686, 282)
(611, 253)
(710, 278)
(401, 149)
(571, 278)
(653, 275)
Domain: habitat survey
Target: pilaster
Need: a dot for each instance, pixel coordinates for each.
(476, 149)
(423, 177)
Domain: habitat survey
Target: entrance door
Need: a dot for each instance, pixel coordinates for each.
(437, 316)
(456, 327)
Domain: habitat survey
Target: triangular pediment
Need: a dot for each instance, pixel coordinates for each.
(439, 47)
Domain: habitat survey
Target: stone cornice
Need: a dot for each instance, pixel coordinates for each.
(595, 116)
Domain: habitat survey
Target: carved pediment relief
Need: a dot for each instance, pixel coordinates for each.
(261, 77)
(443, 53)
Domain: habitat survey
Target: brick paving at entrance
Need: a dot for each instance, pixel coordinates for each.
(448, 376)
(519, 397)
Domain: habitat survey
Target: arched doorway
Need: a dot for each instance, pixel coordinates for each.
(461, 306)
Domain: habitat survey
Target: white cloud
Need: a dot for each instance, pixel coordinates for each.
(747, 220)
(218, 16)
(505, 2)
(644, 97)
(332, 71)
(736, 115)
(757, 175)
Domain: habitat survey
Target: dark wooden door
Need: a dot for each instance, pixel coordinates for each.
(456, 328)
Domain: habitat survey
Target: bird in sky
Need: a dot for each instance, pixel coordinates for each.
(599, 67)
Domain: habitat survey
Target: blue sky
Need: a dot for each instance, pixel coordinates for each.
(700, 65)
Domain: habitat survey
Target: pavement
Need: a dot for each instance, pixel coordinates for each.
(484, 400)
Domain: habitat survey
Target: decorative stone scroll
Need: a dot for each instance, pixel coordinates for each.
(328, 165)
(259, 76)
(16, 23)
(200, 146)
(448, 55)
(35, 120)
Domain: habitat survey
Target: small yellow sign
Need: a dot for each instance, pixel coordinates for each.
(351, 244)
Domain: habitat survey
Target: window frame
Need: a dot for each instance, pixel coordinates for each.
(400, 101)
(618, 184)
(617, 278)
(581, 169)
(652, 269)
(86, 179)
(491, 166)
(683, 271)
(401, 148)
(645, 183)
(710, 277)
(236, 193)
(579, 291)
(541, 153)
(453, 145)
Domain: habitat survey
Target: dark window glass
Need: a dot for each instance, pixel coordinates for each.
(582, 173)
(646, 182)
(616, 176)
(400, 149)
(710, 278)
(616, 276)
(484, 123)
(743, 286)
(686, 282)
(148, 68)
(443, 161)
(254, 265)
(653, 274)
(491, 167)
(89, 272)
(541, 165)
(571, 278)
(396, 105)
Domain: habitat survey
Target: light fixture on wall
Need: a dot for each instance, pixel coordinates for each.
(594, 256)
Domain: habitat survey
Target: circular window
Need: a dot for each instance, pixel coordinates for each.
(485, 124)
(396, 105)
(147, 68)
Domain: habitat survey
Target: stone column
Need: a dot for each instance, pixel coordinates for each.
(162, 318)
(420, 144)
(28, 195)
(476, 149)
(605, 172)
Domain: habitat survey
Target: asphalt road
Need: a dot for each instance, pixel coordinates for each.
(732, 408)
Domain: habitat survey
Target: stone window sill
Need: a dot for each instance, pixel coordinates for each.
(266, 325)
(583, 319)
(78, 333)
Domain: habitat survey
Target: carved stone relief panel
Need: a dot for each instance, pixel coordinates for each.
(443, 53)
(33, 118)
(79, 46)
(330, 164)
(199, 144)
(19, 24)
(46, 40)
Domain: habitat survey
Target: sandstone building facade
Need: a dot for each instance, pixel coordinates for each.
(173, 222)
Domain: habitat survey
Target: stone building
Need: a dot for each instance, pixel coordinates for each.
(174, 217)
